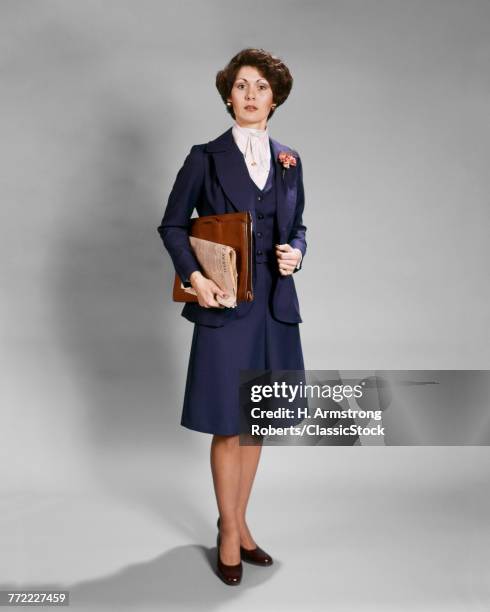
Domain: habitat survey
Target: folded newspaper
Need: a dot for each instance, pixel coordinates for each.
(218, 262)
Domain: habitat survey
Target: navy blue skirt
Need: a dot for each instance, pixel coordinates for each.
(256, 341)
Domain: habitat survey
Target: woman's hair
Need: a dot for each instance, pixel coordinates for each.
(270, 67)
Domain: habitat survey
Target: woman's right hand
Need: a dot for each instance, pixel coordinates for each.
(206, 290)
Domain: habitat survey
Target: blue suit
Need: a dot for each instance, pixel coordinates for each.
(214, 180)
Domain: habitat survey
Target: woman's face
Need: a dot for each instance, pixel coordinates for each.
(251, 97)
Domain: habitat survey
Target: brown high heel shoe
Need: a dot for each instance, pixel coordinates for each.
(229, 574)
(256, 555)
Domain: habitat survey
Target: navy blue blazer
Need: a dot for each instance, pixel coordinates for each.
(214, 180)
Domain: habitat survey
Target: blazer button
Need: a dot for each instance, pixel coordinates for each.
(259, 252)
(259, 234)
(259, 197)
(260, 216)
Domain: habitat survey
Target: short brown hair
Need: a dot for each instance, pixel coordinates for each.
(271, 67)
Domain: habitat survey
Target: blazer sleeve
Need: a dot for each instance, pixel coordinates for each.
(297, 236)
(182, 200)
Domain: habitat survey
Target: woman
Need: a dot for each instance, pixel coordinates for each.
(242, 169)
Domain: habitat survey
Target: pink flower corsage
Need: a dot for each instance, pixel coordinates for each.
(286, 159)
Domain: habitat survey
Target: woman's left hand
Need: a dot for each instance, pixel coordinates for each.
(287, 258)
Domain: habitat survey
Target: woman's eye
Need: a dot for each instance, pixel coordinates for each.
(241, 86)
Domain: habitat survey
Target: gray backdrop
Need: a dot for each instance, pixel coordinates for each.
(102, 491)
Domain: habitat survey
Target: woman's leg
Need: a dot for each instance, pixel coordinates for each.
(250, 456)
(233, 468)
(226, 467)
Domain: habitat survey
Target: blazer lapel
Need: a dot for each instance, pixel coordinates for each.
(232, 171)
(286, 190)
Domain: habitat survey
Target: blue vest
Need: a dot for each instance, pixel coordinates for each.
(266, 233)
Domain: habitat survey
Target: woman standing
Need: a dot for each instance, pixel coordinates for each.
(242, 169)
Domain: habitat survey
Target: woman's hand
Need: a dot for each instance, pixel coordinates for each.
(206, 290)
(287, 258)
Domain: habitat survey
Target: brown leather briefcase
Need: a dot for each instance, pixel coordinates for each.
(231, 229)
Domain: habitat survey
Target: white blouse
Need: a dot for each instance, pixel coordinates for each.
(254, 144)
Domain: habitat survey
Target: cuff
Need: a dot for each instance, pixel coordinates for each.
(186, 281)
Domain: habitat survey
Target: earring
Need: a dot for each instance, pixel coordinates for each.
(273, 105)
(228, 104)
